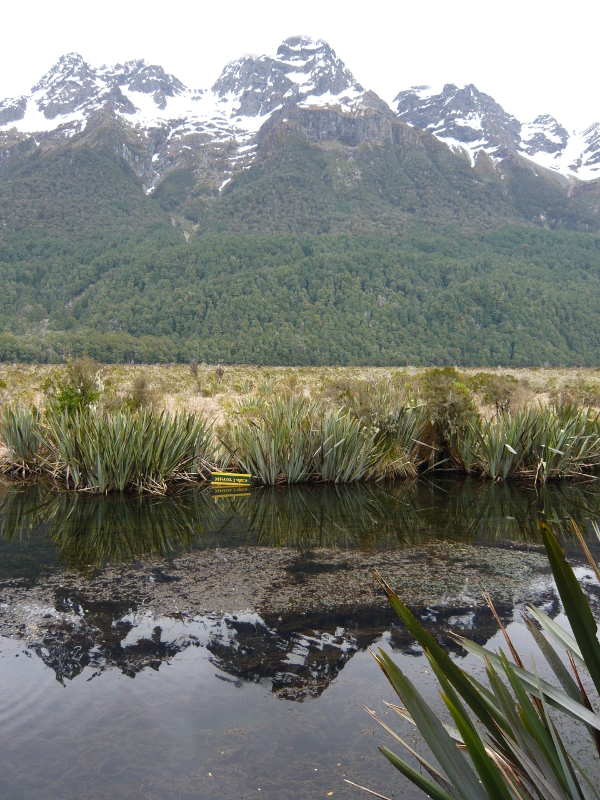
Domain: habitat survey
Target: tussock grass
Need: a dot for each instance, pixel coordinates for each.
(176, 387)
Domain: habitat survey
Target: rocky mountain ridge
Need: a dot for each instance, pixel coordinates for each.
(469, 120)
(167, 119)
(215, 132)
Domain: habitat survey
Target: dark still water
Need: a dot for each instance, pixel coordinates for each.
(217, 647)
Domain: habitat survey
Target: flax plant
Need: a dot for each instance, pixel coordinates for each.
(292, 440)
(503, 742)
(565, 442)
(102, 452)
(348, 450)
(537, 444)
(279, 445)
(498, 447)
(19, 428)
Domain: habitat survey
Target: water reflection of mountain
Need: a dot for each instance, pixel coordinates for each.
(92, 531)
(298, 654)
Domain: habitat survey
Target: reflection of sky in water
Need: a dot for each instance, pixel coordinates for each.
(221, 705)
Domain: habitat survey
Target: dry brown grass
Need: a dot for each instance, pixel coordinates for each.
(176, 387)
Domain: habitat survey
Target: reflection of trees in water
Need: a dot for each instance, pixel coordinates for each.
(307, 517)
(407, 513)
(91, 530)
(298, 653)
(479, 511)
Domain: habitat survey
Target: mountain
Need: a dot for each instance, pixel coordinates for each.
(467, 119)
(289, 215)
(172, 123)
(222, 122)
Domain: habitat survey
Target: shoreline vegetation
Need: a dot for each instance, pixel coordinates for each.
(141, 429)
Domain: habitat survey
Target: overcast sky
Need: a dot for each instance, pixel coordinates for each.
(532, 57)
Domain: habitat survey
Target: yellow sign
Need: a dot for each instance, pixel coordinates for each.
(231, 479)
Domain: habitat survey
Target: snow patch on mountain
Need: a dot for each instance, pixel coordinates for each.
(171, 119)
(304, 72)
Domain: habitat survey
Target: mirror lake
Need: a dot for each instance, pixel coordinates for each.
(210, 645)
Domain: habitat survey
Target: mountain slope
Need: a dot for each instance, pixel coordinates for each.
(513, 297)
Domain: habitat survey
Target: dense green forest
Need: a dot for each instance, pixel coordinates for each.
(419, 260)
(511, 296)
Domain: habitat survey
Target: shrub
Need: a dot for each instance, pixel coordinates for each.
(448, 403)
(581, 392)
(141, 393)
(378, 405)
(80, 387)
(500, 392)
(211, 387)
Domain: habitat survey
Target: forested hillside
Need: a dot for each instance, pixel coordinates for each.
(511, 296)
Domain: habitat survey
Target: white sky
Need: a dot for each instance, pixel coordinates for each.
(532, 57)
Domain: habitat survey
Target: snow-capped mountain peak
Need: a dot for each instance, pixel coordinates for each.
(462, 116)
(315, 68)
(304, 74)
(138, 76)
(303, 71)
(70, 67)
(544, 133)
(70, 85)
(469, 120)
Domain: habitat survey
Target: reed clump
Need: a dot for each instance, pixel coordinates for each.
(294, 439)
